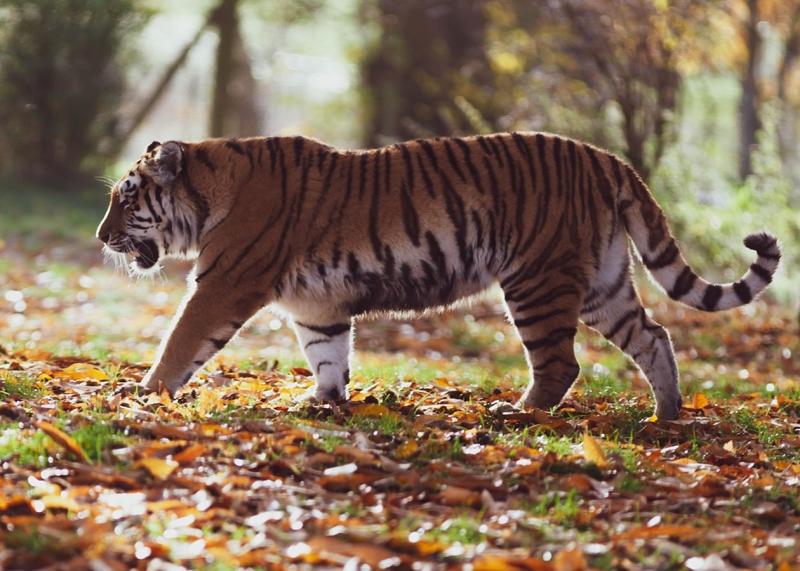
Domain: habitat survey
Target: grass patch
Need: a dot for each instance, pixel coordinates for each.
(388, 425)
(97, 438)
(462, 529)
(16, 385)
(747, 421)
(26, 447)
(561, 508)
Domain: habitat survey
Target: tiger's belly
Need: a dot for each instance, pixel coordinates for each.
(409, 288)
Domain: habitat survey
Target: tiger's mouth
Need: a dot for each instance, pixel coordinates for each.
(145, 253)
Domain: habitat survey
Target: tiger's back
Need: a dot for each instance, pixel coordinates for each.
(329, 235)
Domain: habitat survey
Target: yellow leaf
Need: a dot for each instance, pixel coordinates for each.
(407, 449)
(62, 439)
(190, 454)
(375, 411)
(653, 418)
(699, 401)
(57, 502)
(158, 467)
(592, 450)
(493, 563)
(81, 371)
(730, 447)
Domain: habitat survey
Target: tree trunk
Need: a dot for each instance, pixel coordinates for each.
(787, 126)
(234, 108)
(748, 106)
(225, 18)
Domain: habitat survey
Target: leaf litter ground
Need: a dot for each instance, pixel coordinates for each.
(428, 466)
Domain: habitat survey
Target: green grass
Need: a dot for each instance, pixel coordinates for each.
(27, 447)
(328, 442)
(747, 421)
(561, 508)
(34, 541)
(462, 529)
(15, 384)
(28, 214)
(445, 450)
(97, 438)
(389, 425)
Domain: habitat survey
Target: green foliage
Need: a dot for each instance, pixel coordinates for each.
(711, 212)
(61, 82)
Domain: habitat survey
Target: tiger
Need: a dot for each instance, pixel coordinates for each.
(326, 237)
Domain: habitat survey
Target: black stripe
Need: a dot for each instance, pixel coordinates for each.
(316, 342)
(743, 291)
(711, 297)
(234, 145)
(554, 338)
(473, 172)
(409, 167)
(387, 172)
(374, 209)
(437, 256)
(202, 156)
(666, 258)
(327, 330)
(362, 174)
(487, 150)
(683, 283)
(426, 146)
(530, 320)
(620, 323)
(761, 272)
(218, 343)
(427, 179)
(298, 149)
(453, 161)
(410, 216)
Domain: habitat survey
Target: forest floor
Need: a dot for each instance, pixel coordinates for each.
(428, 465)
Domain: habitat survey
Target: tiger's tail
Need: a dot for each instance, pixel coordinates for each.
(650, 233)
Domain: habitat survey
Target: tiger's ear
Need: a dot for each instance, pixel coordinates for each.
(167, 163)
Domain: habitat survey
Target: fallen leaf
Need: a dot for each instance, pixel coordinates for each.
(592, 450)
(81, 371)
(62, 439)
(189, 454)
(158, 467)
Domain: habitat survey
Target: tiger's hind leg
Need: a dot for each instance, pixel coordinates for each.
(546, 318)
(327, 345)
(615, 310)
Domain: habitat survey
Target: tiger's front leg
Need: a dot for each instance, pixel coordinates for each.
(207, 319)
(327, 346)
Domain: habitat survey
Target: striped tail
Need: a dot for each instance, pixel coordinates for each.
(650, 233)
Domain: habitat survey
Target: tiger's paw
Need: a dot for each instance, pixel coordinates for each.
(331, 393)
(669, 409)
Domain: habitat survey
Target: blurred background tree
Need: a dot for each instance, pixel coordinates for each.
(62, 76)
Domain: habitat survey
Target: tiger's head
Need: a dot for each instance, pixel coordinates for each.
(151, 214)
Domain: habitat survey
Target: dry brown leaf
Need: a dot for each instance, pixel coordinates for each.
(62, 439)
(189, 454)
(570, 560)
